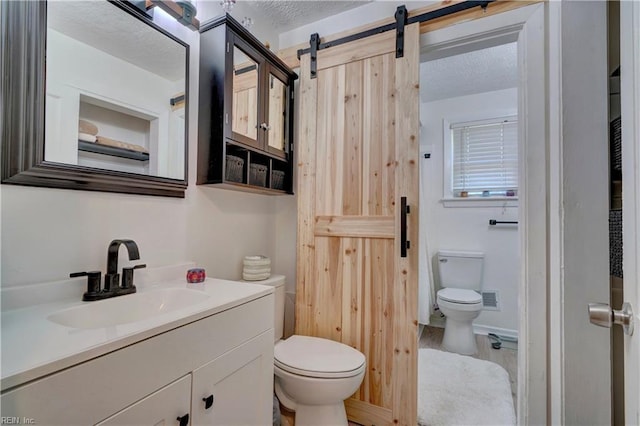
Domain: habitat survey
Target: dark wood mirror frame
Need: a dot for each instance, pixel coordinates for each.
(23, 29)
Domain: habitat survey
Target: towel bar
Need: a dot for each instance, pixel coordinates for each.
(493, 222)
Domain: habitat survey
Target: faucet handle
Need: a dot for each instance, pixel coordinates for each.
(127, 276)
(94, 279)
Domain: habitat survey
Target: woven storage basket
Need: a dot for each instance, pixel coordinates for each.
(234, 168)
(277, 179)
(258, 175)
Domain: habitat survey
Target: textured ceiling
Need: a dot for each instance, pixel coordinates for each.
(119, 34)
(286, 15)
(479, 71)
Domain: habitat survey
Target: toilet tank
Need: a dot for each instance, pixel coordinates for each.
(460, 269)
(276, 281)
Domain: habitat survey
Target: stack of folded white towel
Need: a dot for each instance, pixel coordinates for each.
(256, 268)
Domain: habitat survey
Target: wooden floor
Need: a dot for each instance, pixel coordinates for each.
(507, 358)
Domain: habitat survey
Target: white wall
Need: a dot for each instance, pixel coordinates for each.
(48, 233)
(467, 228)
(370, 12)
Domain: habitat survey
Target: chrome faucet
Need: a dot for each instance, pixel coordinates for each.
(112, 285)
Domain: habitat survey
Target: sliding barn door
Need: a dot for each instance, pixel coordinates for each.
(357, 156)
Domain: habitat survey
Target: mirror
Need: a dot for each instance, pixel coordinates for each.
(277, 112)
(112, 114)
(245, 95)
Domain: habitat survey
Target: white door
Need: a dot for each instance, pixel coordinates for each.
(628, 317)
(630, 99)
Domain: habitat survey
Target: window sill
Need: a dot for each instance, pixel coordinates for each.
(480, 202)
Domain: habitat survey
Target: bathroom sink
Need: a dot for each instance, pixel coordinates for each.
(128, 308)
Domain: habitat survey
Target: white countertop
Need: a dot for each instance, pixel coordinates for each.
(33, 346)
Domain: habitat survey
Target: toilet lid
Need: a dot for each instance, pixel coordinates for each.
(316, 357)
(459, 295)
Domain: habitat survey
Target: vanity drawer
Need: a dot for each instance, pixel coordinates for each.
(94, 390)
(159, 408)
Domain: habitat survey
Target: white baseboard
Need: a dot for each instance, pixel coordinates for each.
(486, 329)
(437, 321)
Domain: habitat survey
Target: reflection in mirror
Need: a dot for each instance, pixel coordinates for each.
(245, 95)
(114, 91)
(277, 112)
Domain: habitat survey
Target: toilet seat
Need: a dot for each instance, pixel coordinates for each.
(316, 357)
(459, 295)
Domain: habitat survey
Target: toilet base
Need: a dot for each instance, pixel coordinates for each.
(459, 337)
(321, 415)
(318, 405)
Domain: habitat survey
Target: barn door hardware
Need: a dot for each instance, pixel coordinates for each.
(449, 10)
(402, 19)
(315, 44)
(404, 211)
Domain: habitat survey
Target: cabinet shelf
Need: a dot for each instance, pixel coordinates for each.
(112, 151)
(255, 171)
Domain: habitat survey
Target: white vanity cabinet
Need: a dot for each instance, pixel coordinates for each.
(165, 375)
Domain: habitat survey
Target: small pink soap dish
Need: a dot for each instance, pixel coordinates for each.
(195, 275)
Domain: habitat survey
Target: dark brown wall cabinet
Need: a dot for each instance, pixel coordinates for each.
(245, 126)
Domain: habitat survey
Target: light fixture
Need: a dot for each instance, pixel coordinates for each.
(227, 5)
(188, 11)
(247, 22)
(182, 11)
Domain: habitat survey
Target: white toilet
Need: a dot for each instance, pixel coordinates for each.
(313, 376)
(459, 299)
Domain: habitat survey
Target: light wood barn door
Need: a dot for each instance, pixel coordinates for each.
(357, 155)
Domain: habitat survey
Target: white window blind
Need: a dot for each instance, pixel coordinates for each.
(485, 157)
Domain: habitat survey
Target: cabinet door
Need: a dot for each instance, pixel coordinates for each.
(277, 124)
(236, 388)
(163, 407)
(244, 112)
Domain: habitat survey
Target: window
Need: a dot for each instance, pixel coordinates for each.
(483, 159)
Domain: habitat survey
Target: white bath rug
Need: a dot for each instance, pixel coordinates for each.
(459, 390)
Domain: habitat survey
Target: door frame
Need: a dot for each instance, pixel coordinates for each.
(536, 108)
(630, 103)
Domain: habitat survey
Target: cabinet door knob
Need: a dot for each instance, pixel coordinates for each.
(208, 402)
(184, 420)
